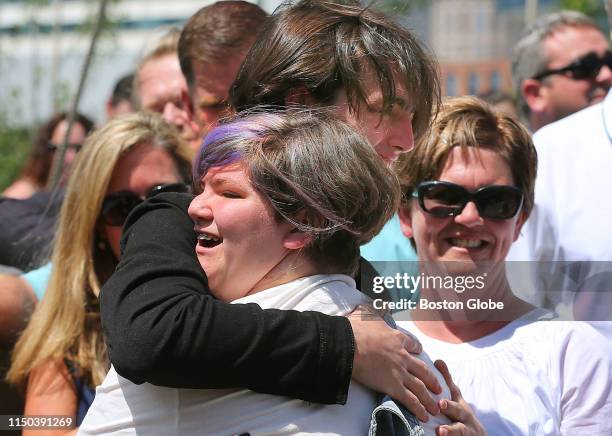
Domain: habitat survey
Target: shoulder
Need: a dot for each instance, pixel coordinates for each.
(570, 131)
(571, 346)
(51, 390)
(20, 189)
(50, 376)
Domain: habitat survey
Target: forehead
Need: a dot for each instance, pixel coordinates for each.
(373, 91)
(141, 168)
(475, 166)
(77, 133)
(160, 76)
(214, 79)
(234, 172)
(568, 43)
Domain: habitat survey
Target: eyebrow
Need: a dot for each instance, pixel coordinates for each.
(221, 181)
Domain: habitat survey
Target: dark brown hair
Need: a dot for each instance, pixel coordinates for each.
(38, 163)
(218, 32)
(324, 46)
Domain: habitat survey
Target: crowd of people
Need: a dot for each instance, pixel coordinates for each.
(205, 265)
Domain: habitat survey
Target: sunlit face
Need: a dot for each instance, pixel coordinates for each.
(160, 87)
(466, 237)
(240, 243)
(211, 91)
(138, 171)
(390, 136)
(76, 139)
(563, 94)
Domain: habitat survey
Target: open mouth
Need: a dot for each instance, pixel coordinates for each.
(466, 243)
(208, 241)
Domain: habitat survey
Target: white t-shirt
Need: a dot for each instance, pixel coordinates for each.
(122, 407)
(571, 221)
(533, 377)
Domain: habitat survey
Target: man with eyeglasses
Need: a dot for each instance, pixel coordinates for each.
(568, 237)
(561, 64)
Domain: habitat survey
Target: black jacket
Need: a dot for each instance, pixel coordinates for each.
(27, 228)
(164, 327)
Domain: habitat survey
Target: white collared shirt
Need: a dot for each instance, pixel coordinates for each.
(572, 219)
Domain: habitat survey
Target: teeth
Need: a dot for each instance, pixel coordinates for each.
(204, 237)
(466, 243)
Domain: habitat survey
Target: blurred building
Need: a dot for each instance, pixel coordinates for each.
(473, 40)
(43, 45)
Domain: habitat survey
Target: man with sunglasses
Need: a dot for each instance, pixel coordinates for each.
(561, 64)
(568, 237)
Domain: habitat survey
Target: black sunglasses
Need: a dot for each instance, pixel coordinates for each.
(52, 146)
(444, 199)
(585, 67)
(117, 206)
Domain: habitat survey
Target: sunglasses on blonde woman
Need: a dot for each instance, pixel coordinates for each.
(117, 206)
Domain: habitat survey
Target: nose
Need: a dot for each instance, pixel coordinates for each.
(604, 76)
(401, 134)
(69, 156)
(469, 216)
(173, 115)
(200, 210)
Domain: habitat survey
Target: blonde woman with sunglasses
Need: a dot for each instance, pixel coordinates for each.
(61, 356)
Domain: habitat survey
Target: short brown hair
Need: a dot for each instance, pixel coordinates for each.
(324, 46)
(470, 122)
(317, 172)
(223, 30)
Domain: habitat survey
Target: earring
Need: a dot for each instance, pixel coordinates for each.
(102, 245)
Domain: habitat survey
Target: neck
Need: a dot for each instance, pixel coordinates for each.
(539, 120)
(470, 314)
(292, 267)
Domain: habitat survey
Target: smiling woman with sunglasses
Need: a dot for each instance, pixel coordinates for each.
(61, 356)
(467, 191)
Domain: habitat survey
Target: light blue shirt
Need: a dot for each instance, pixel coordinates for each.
(390, 245)
(39, 279)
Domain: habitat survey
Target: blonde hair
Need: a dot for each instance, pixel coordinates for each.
(66, 323)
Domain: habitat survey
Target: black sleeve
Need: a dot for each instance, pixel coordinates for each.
(163, 326)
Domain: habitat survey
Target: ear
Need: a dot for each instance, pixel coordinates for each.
(405, 217)
(296, 240)
(535, 95)
(109, 109)
(300, 96)
(519, 225)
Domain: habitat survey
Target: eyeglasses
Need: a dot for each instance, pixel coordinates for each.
(117, 206)
(586, 67)
(52, 146)
(444, 199)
